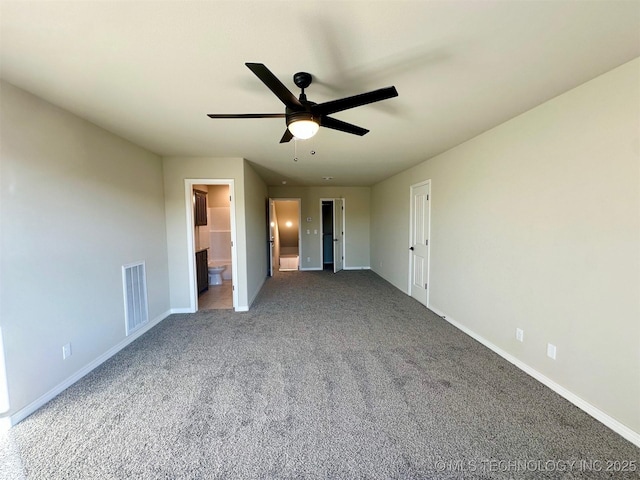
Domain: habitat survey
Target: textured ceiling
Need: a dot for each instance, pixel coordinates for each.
(151, 71)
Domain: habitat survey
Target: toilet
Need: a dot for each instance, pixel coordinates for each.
(215, 274)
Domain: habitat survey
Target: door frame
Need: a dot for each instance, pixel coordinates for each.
(410, 269)
(191, 242)
(338, 234)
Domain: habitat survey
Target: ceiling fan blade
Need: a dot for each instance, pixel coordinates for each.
(275, 85)
(246, 115)
(286, 137)
(334, 106)
(342, 126)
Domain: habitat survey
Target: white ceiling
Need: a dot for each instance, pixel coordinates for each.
(151, 71)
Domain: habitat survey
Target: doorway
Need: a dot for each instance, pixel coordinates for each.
(332, 233)
(284, 235)
(211, 243)
(419, 248)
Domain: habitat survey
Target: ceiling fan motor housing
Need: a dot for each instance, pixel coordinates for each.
(302, 79)
(297, 115)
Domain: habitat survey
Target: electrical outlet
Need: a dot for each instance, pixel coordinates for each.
(519, 334)
(551, 351)
(66, 351)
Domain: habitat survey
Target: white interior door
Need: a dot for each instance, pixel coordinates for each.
(419, 248)
(338, 235)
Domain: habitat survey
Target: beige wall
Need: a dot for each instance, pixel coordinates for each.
(536, 225)
(250, 218)
(356, 222)
(218, 196)
(77, 203)
(256, 204)
(287, 211)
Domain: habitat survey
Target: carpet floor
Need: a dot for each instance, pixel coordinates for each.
(327, 376)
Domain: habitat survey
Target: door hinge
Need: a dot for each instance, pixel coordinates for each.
(230, 198)
(425, 286)
(426, 242)
(427, 197)
(232, 244)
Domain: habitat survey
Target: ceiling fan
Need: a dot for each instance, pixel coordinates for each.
(304, 117)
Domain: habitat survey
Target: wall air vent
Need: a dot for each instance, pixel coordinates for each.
(135, 296)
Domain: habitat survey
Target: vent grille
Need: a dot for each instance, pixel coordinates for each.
(135, 296)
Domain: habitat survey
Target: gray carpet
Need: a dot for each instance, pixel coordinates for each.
(328, 376)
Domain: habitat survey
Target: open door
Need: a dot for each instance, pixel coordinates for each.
(419, 248)
(338, 235)
(270, 236)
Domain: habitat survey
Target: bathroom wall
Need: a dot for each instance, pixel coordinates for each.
(219, 227)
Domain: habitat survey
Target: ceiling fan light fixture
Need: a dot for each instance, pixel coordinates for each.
(302, 125)
(303, 129)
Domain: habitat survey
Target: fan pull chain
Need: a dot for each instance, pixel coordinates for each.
(295, 149)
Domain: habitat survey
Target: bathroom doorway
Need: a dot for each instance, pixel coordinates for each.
(212, 251)
(284, 233)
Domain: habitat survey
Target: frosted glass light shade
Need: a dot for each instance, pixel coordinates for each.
(303, 129)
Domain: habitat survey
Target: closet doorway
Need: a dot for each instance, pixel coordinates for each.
(332, 233)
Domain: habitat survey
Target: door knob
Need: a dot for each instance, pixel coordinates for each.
(411, 248)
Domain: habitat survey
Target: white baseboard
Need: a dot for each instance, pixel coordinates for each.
(357, 268)
(5, 424)
(182, 310)
(602, 417)
(310, 269)
(39, 402)
(245, 308)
